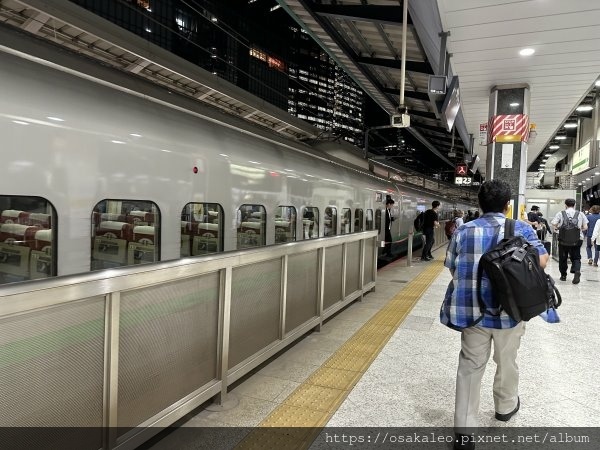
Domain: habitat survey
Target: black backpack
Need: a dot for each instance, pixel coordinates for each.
(519, 284)
(419, 221)
(568, 233)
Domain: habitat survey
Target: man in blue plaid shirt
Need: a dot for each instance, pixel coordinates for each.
(460, 311)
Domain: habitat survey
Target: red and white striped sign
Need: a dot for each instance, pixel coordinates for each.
(508, 128)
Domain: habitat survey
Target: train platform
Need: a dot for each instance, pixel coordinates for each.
(386, 361)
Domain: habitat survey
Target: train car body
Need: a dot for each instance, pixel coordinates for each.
(94, 177)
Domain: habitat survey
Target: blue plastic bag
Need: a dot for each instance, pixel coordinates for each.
(550, 316)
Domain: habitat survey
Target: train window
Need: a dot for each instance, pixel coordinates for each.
(251, 226)
(358, 220)
(27, 238)
(285, 224)
(125, 233)
(330, 221)
(346, 221)
(201, 229)
(378, 220)
(369, 219)
(310, 222)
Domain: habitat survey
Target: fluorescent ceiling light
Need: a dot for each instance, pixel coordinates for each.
(554, 147)
(570, 125)
(514, 104)
(583, 108)
(527, 52)
(560, 138)
(548, 154)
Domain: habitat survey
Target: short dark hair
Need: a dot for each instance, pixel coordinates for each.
(535, 208)
(493, 196)
(570, 202)
(435, 204)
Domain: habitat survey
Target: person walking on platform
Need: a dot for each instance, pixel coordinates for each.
(596, 239)
(570, 225)
(431, 221)
(388, 226)
(592, 218)
(479, 331)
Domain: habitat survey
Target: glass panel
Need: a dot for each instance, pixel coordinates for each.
(358, 220)
(285, 224)
(252, 221)
(310, 222)
(369, 219)
(378, 220)
(330, 221)
(124, 233)
(346, 221)
(201, 229)
(27, 238)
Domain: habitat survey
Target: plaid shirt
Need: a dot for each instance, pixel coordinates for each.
(471, 240)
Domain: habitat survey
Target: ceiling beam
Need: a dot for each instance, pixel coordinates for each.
(385, 14)
(411, 66)
(409, 94)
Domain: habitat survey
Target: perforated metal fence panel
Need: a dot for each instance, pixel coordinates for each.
(368, 256)
(333, 276)
(302, 289)
(52, 372)
(255, 309)
(352, 267)
(168, 345)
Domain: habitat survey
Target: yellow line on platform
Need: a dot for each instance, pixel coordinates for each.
(300, 418)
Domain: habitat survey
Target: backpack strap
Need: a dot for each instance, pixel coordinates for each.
(509, 231)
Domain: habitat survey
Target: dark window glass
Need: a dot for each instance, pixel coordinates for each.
(285, 224)
(251, 228)
(201, 229)
(369, 219)
(346, 221)
(330, 221)
(358, 220)
(124, 233)
(28, 229)
(310, 222)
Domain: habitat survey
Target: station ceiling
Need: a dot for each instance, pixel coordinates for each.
(485, 39)
(365, 37)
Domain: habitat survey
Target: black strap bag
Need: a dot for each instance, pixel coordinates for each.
(569, 233)
(519, 284)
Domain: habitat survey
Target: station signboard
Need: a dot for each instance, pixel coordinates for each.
(463, 181)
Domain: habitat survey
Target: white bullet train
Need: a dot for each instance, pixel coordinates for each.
(93, 178)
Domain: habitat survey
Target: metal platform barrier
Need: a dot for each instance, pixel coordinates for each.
(122, 353)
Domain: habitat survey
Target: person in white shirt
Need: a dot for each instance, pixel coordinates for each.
(570, 251)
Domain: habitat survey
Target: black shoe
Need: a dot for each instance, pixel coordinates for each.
(463, 442)
(576, 278)
(563, 278)
(506, 417)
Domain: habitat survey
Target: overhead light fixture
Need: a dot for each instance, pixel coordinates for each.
(554, 147)
(527, 52)
(570, 125)
(587, 179)
(514, 104)
(548, 154)
(584, 108)
(560, 138)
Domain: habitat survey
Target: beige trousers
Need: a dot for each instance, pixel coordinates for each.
(474, 355)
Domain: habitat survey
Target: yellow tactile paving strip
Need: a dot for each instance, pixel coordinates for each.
(300, 418)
